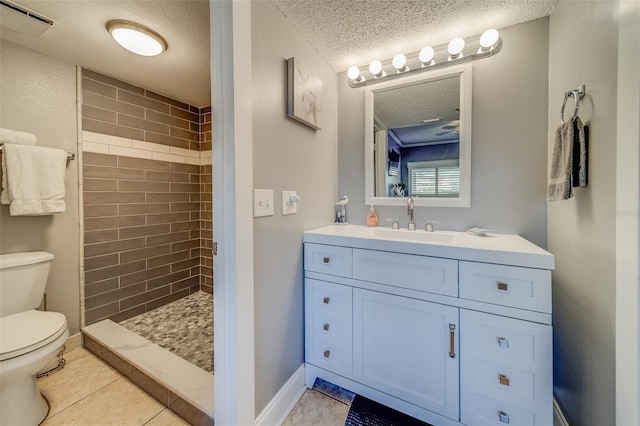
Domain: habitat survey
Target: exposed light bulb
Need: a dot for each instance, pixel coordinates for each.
(489, 38)
(353, 72)
(426, 55)
(375, 68)
(400, 63)
(455, 48)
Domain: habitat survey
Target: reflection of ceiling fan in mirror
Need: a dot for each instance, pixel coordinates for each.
(449, 129)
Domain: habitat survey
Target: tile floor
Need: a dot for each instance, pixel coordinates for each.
(89, 392)
(184, 327)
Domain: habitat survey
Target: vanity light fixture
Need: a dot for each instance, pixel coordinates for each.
(455, 48)
(354, 74)
(136, 38)
(429, 58)
(400, 63)
(375, 68)
(426, 56)
(488, 40)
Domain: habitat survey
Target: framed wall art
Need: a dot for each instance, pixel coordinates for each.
(304, 94)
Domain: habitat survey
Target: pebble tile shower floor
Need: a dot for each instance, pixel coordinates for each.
(184, 327)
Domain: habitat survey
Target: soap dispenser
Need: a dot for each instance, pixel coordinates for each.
(372, 217)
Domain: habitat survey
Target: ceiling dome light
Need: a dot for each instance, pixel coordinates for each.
(400, 63)
(455, 48)
(426, 56)
(375, 68)
(136, 38)
(488, 39)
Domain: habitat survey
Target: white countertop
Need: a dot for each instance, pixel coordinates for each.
(504, 249)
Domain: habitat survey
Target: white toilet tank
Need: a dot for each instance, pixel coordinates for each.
(23, 278)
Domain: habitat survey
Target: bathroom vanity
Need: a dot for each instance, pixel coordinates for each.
(447, 327)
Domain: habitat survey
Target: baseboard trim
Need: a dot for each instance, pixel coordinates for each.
(275, 413)
(558, 415)
(73, 342)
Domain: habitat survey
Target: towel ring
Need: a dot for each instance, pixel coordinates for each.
(577, 94)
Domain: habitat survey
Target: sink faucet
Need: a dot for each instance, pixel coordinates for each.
(412, 226)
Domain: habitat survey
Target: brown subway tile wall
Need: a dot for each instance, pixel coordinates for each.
(117, 108)
(148, 223)
(127, 252)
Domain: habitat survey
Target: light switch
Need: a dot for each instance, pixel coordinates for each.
(262, 202)
(289, 202)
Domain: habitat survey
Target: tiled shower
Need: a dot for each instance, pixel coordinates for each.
(147, 193)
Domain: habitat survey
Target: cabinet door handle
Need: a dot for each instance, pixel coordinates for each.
(502, 342)
(504, 380)
(452, 340)
(326, 259)
(326, 327)
(325, 300)
(327, 354)
(503, 417)
(503, 286)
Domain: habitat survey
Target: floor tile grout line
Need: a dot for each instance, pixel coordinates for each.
(84, 397)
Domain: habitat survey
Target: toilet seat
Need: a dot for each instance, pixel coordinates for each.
(30, 330)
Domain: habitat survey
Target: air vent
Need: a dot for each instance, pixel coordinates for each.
(22, 21)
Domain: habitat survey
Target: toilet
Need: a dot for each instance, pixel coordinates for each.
(29, 339)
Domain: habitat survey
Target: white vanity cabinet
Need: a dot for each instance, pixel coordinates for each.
(451, 334)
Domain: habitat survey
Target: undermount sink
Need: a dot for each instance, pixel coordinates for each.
(405, 235)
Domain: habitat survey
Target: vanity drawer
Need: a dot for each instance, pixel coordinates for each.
(505, 366)
(321, 296)
(513, 286)
(332, 260)
(328, 326)
(484, 411)
(422, 273)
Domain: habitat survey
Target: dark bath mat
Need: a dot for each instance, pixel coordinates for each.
(365, 412)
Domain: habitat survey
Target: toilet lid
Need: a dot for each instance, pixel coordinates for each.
(30, 330)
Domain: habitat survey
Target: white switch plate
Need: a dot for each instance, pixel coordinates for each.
(262, 202)
(287, 206)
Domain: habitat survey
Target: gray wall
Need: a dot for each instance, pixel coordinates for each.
(287, 156)
(508, 151)
(581, 234)
(38, 95)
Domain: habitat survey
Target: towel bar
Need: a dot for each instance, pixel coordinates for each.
(70, 155)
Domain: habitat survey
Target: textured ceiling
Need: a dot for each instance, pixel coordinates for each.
(345, 32)
(354, 32)
(79, 37)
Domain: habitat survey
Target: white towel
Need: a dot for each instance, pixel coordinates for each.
(16, 137)
(33, 180)
(561, 163)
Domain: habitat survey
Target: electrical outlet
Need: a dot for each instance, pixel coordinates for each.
(262, 202)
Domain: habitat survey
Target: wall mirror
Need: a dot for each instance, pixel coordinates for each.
(418, 139)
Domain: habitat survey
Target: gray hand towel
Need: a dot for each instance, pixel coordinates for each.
(560, 187)
(580, 147)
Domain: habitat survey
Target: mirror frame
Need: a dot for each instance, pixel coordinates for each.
(464, 200)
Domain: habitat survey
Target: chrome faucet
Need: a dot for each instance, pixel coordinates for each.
(412, 226)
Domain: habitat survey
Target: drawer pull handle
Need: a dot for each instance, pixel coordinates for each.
(503, 286)
(326, 259)
(325, 300)
(327, 354)
(452, 335)
(503, 417)
(326, 327)
(502, 342)
(504, 380)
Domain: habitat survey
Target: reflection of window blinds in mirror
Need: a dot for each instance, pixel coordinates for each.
(394, 163)
(434, 178)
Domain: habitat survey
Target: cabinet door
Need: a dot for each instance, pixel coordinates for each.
(407, 348)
